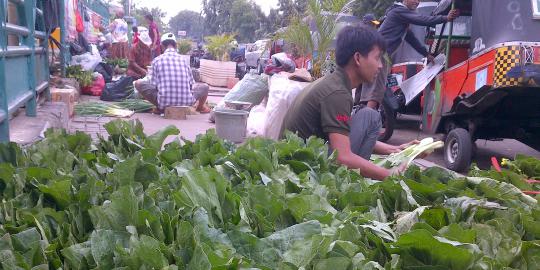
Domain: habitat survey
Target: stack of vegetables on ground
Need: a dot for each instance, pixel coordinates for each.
(126, 202)
(124, 108)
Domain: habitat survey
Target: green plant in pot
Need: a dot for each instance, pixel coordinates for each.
(220, 46)
(184, 46)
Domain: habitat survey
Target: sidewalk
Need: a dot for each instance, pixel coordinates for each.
(189, 129)
(26, 130)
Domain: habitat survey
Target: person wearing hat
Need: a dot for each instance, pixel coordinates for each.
(171, 82)
(140, 55)
(370, 20)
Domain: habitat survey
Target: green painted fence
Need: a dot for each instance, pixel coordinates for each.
(24, 68)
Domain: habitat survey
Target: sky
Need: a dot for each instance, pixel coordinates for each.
(172, 7)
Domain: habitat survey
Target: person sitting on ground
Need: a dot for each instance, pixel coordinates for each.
(323, 109)
(171, 81)
(140, 55)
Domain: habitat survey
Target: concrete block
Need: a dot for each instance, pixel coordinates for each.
(68, 96)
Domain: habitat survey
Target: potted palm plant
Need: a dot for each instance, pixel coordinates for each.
(316, 42)
(219, 71)
(184, 47)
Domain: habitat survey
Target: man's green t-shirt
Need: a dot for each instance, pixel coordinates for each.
(322, 108)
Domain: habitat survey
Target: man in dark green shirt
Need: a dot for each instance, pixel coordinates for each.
(324, 108)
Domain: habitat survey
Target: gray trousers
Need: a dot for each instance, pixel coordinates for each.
(150, 91)
(365, 126)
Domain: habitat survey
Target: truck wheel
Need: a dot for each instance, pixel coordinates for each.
(458, 150)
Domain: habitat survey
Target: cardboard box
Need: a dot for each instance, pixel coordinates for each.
(177, 112)
(68, 96)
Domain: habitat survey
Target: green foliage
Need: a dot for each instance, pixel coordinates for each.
(324, 15)
(377, 7)
(298, 33)
(245, 20)
(220, 45)
(130, 202)
(121, 63)
(184, 46)
(189, 21)
(158, 14)
(83, 77)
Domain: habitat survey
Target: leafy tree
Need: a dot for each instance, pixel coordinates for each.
(217, 16)
(377, 7)
(159, 15)
(245, 21)
(189, 21)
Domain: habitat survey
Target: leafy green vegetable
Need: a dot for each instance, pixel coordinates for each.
(410, 153)
(129, 202)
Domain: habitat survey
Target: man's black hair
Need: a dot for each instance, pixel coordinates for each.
(135, 29)
(353, 39)
(149, 17)
(167, 43)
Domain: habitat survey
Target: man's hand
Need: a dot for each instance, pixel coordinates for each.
(454, 13)
(405, 145)
(399, 169)
(430, 58)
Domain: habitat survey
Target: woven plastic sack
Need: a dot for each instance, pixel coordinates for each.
(283, 92)
(252, 88)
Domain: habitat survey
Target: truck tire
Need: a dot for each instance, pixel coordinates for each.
(458, 150)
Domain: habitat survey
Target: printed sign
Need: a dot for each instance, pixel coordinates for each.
(481, 79)
(536, 9)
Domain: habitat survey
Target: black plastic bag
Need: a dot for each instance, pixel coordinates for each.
(119, 90)
(106, 71)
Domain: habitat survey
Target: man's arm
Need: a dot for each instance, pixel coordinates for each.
(415, 43)
(133, 63)
(155, 73)
(342, 144)
(156, 37)
(413, 17)
(136, 67)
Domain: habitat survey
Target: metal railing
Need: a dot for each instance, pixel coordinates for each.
(24, 65)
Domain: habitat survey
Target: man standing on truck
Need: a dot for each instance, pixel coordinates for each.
(395, 30)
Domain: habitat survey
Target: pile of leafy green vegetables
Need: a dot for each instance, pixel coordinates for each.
(126, 202)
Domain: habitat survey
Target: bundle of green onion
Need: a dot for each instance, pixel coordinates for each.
(101, 109)
(136, 105)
